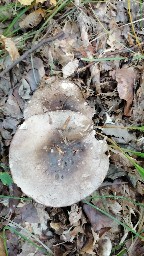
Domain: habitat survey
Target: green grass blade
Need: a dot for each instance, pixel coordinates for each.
(137, 57)
(140, 154)
(16, 198)
(141, 128)
(122, 252)
(8, 31)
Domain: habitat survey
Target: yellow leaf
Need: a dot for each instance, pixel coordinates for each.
(26, 2)
(10, 47)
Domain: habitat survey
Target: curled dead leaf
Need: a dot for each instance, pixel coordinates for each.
(125, 78)
(33, 19)
(10, 47)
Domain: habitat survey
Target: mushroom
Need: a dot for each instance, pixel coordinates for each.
(56, 159)
(60, 95)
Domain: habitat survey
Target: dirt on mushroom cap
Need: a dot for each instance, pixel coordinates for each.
(58, 163)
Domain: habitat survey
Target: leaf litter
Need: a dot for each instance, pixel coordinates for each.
(114, 86)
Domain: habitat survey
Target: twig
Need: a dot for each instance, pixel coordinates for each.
(34, 48)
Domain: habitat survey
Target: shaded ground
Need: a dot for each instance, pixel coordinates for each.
(102, 52)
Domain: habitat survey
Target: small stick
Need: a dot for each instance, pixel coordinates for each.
(34, 48)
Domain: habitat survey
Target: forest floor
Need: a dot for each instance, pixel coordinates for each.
(98, 45)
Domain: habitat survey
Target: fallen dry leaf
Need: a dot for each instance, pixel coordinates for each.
(40, 1)
(24, 90)
(114, 40)
(12, 108)
(97, 219)
(26, 2)
(125, 78)
(2, 249)
(136, 247)
(105, 246)
(118, 131)
(95, 76)
(10, 47)
(29, 250)
(138, 106)
(70, 68)
(33, 19)
(52, 2)
(75, 215)
(88, 248)
(77, 230)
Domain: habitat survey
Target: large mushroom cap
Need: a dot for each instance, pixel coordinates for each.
(61, 95)
(53, 160)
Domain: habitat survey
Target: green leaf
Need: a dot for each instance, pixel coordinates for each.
(6, 178)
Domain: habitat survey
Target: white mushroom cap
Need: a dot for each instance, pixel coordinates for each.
(54, 161)
(61, 95)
